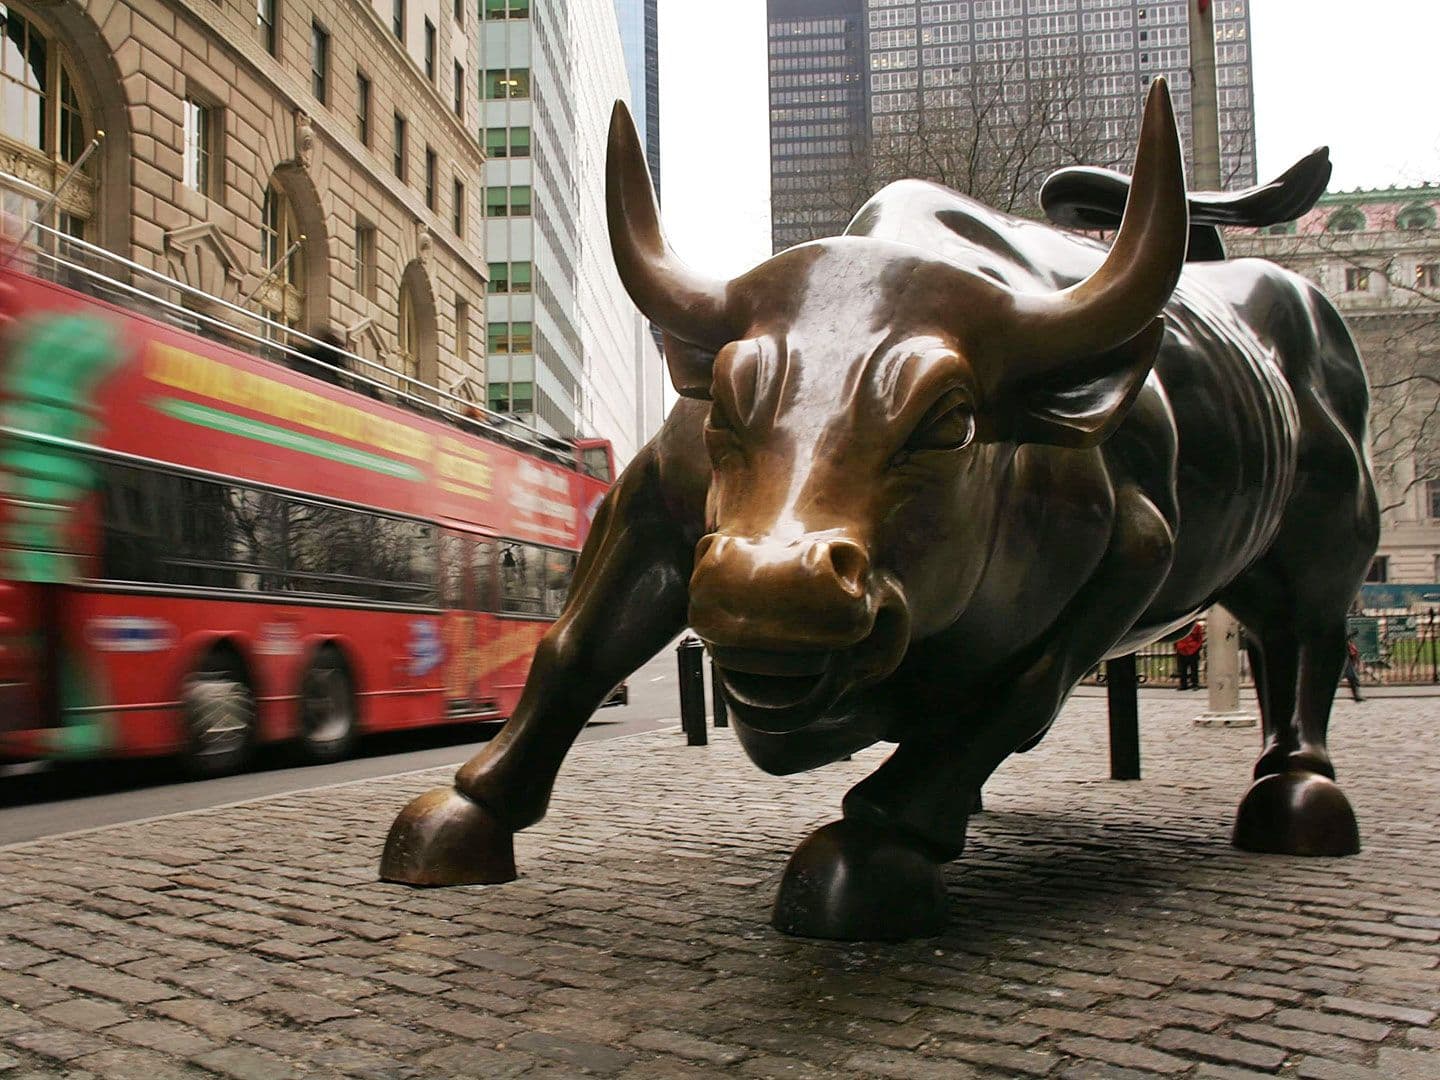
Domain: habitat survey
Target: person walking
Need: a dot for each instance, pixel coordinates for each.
(1352, 665)
(1187, 656)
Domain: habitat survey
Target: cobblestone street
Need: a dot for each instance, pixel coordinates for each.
(1100, 929)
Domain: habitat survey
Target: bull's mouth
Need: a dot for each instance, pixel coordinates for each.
(774, 691)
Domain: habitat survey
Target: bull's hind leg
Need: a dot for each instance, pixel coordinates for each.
(1294, 607)
(1294, 806)
(629, 599)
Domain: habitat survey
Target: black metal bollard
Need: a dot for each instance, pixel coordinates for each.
(717, 698)
(1124, 718)
(689, 657)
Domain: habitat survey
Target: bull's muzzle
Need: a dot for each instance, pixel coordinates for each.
(792, 624)
(804, 595)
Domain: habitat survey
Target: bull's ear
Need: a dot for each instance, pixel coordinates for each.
(691, 367)
(1081, 405)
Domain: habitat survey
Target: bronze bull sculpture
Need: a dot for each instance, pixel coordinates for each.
(923, 477)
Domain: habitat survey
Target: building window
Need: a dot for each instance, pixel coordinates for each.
(459, 13)
(515, 337)
(362, 107)
(431, 168)
(1416, 217)
(1357, 279)
(201, 135)
(507, 83)
(457, 208)
(40, 111)
(507, 142)
(1427, 275)
(365, 259)
(509, 277)
(399, 155)
(429, 50)
(1346, 220)
(397, 20)
(283, 293)
(1379, 572)
(507, 201)
(462, 333)
(267, 25)
(1432, 500)
(319, 62)
(459, 90)
(507, 9)
(497, 339)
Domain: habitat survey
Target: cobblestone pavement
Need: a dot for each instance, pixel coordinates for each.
(1100, 929)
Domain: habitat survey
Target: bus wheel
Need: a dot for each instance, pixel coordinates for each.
(327, 709)
(219, 723)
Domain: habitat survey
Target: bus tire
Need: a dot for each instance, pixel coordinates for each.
(327, 709)
(219, 723)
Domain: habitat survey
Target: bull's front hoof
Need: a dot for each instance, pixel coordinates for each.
(1296, 813)
(443, 838)
(854, 882)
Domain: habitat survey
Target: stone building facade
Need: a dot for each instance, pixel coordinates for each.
(235, 128)
(1376, 254)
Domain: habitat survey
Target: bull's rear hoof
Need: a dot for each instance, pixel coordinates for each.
(1296, 813)
(443, 838)
(855, 882)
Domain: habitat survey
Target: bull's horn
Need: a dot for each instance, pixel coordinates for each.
(1116, 302)
(685, 304)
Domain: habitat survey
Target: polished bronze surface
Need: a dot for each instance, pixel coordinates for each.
(923, 477)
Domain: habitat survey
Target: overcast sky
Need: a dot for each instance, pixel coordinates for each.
(1359, 77)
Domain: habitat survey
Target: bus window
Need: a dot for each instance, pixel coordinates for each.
(596, 463)
(559, 570)
(521, 581)
(452, 571)
(482, 574)
(165, 529)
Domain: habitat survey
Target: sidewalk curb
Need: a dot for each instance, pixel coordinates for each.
(21, 845)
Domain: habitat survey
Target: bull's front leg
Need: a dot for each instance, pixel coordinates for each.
(876, 874)
(628, 600)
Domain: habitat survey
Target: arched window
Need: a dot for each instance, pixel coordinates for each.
(1417, 216)
(283, 295)
(1347, 220)
(407, 342)
(42, 123)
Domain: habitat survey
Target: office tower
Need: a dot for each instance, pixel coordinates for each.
(640, 36)
(817, 115)
(990, 95)
(566, 347)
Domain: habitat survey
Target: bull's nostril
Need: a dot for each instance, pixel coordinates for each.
(850, 564)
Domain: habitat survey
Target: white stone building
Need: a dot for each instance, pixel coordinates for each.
(566, 348)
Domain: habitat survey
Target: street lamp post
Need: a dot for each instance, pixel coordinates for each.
(1222, 638)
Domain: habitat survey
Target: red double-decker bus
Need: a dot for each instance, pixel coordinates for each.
(203, 549)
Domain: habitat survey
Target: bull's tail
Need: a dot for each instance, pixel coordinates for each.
(1082, 197)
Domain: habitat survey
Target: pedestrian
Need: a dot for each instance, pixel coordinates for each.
(1352, 665)
(1187, 656)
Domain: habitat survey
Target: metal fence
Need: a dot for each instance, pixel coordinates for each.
(1395, 650)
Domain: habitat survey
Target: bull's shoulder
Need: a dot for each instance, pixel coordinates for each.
(1021, 253)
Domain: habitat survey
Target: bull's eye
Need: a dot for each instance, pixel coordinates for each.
(949, 425)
